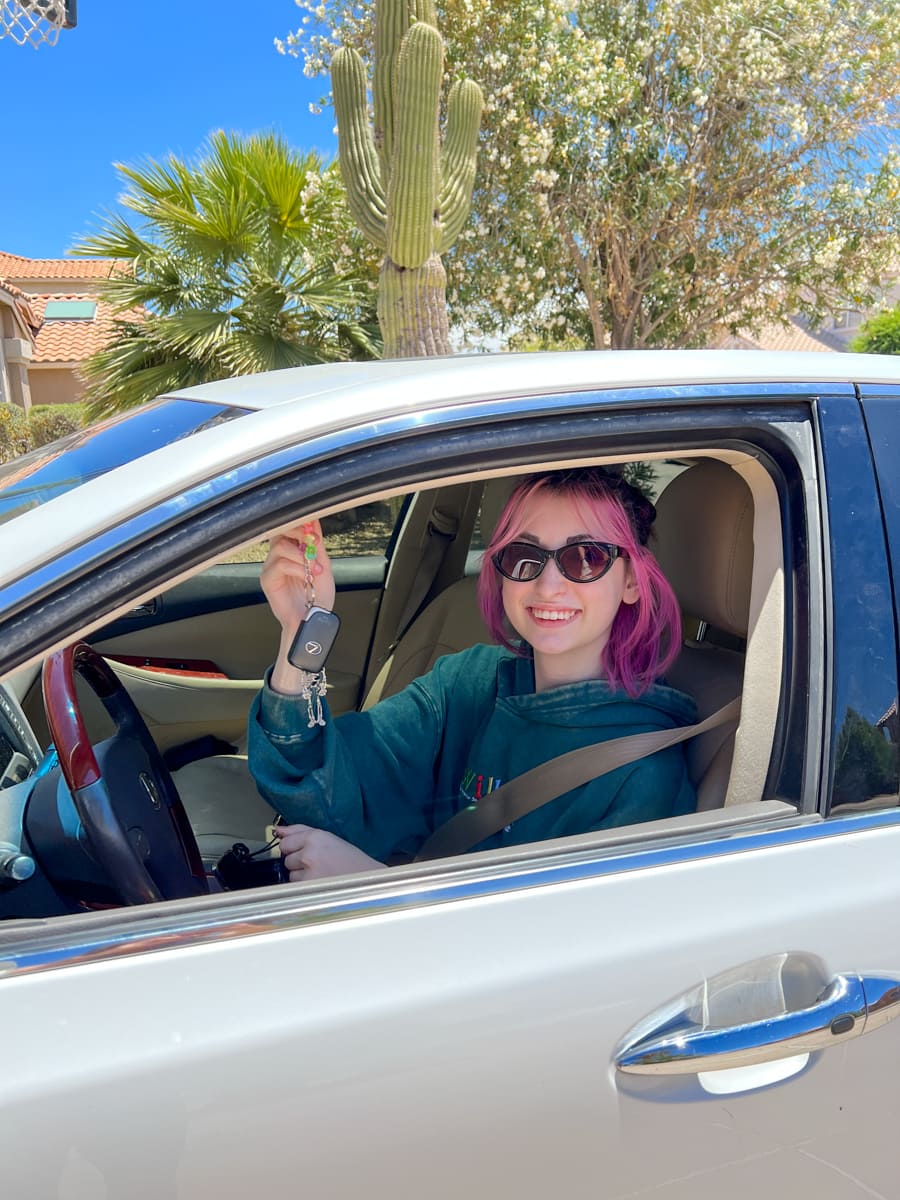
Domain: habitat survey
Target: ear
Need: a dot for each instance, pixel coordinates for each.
(631, 593)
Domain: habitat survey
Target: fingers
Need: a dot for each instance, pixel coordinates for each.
(310, 853)
(292, 844)
(290, 580)
(287, 551)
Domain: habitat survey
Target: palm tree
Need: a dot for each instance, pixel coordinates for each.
(244, 261)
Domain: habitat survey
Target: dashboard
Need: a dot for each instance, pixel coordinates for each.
(20, 755)
(19, 749)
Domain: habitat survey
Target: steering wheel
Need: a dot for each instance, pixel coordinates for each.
(132, 815)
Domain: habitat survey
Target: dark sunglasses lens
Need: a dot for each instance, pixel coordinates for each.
(520, 561)
(585, 561)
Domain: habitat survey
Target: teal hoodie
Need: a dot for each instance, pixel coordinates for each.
(387, 778)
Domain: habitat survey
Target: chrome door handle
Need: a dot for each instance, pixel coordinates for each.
(677, 1044)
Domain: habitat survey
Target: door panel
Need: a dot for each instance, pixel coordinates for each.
(460, 1047)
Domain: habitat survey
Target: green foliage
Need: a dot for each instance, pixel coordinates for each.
(880, 335)
(15, 436)
(651, 174)
(641, 475)
(245, 260)
(410, 197)
(51, 421)
(865, 763)
(21, 432)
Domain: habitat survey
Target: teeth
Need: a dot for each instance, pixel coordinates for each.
(553, 614)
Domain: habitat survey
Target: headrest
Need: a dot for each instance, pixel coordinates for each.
(703, 540)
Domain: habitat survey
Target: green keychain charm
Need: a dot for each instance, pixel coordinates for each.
(309, 557)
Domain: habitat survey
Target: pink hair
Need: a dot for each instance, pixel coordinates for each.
(646, 636)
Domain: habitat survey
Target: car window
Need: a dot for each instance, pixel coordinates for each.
(53, 470)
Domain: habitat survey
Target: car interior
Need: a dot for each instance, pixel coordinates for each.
(192, 659)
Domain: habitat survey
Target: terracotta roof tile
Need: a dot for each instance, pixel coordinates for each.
(71, 341)
(15, 267)
(774, 337)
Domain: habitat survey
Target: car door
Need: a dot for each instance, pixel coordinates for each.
(462, 1027)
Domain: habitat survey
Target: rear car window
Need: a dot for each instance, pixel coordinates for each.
(52, 470)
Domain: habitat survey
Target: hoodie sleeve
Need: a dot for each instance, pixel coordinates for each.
(368, 777)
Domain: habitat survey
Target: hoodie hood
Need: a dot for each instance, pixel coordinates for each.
(591, 703)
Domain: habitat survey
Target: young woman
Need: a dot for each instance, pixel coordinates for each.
(586, 625)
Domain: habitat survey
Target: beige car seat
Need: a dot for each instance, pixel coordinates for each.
(451, 622)
(703, 540)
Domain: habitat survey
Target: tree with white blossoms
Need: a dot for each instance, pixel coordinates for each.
(653, 172)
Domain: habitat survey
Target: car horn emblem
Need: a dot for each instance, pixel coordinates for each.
(151, 789)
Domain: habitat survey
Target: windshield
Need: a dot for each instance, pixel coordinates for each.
(55, 469)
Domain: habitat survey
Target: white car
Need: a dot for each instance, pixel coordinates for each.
(672, 1010)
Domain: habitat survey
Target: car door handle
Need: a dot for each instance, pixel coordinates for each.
(849, 1006)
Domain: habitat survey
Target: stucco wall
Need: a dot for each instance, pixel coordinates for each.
(54, 385)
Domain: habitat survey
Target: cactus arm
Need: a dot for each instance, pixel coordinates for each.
(392, 21)
(359, 161)
(412, 199)
(391, 25)
(424, 10)
(464, 108)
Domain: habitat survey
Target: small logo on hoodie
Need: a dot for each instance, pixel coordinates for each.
(474, 786)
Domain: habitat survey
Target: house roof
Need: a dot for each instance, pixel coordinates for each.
(21, 303)
(15, 267)
(778, 337)
(60, 341)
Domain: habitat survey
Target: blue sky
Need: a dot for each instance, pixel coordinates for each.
(138, 79)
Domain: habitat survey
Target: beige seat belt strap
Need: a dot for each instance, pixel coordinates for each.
(441, 530)
(543, 783)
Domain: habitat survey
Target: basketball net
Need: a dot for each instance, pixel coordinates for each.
(32, 21)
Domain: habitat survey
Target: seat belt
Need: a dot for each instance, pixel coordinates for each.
(554, 778)
(442, 530)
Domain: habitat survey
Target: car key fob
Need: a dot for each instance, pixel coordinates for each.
(314, 639)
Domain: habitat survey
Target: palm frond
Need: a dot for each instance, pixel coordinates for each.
(233, 265)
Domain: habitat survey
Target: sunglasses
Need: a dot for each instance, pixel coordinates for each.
(579, 562)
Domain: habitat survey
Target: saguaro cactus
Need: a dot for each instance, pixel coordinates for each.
(409, 194)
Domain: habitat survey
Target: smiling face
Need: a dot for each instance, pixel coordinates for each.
(567, 624)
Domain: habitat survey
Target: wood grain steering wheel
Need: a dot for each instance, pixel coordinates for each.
(133, 818)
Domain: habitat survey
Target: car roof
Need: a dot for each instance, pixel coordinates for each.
(359, 387)
(284, 407)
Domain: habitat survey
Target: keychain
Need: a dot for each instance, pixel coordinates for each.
(309, 557)
(314, 639)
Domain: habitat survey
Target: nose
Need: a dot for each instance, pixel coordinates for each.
(551, 580)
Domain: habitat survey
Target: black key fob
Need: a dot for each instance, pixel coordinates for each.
(314, 639)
